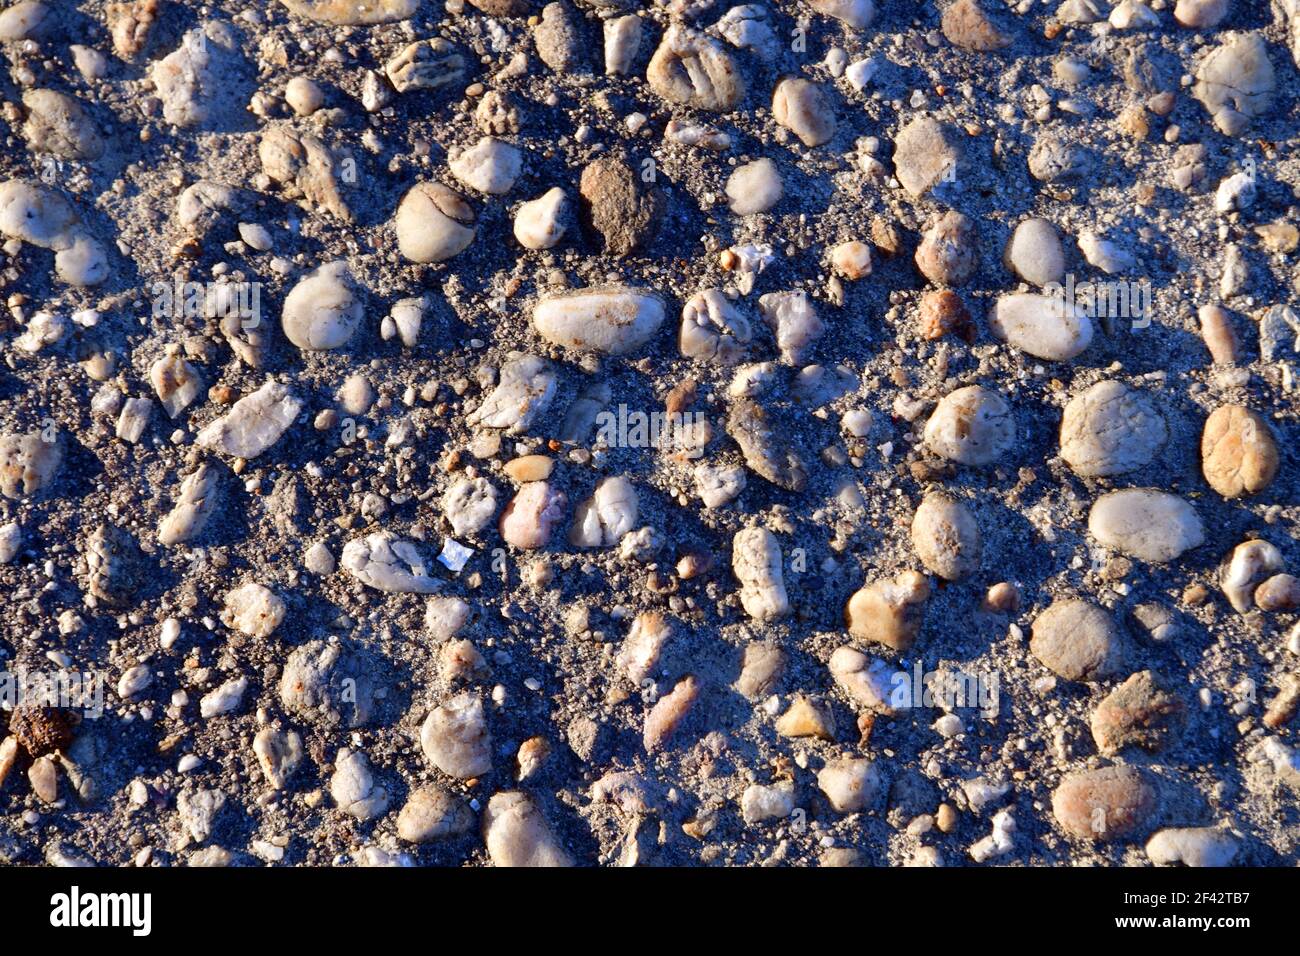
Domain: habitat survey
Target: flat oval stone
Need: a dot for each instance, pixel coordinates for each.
(613, 320)
(1110, 429)
(1144, 523)
(1034, 253)
(972, 425)
(1077, 640)
(1045, 326)
(1106, 804)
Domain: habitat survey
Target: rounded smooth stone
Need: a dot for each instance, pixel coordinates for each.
(1034, 253)
(1238, 453)
(433, 223)
(1110, 803)
(755, 187)
(1144, 523)
(946, 537)
(1045, 326)
(1110, 429)
(1077, 640)
(323, 310)
(971, 426)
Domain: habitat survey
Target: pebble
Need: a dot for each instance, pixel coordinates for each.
(560, 43)
(1045, 326)
(713, 329)
(1192, 846)
(760, 803)
(353, 12)
(490, 166)
(1110, 429)
(469, 505)
(199, 83)
(1249, 564)
(29, 463)
(620, 206)
(946, 537)
(1235, 83)
(455, 737)
(327, 686)
(802, 107)
(1034, 253)
(1111, 803)
(851, 260)
(765, 451)
(754, 187)
(756, 562)
(303, 95)
(968, 24)
(622, 43)
(517, 835)
(528, 519)
(889, 612)
(946, 255)
(57, 124)
(1144, 523)
(431, 813)
(1216, 330)
(1077, 640)
(925, 151)
(851, 784)
(806, 718)
(324, 310)
(614, 320)
(1238, 453)
(541, 222)
(604, 518)
(429, 64)
(694, 70)
(794, 320)
(668, 712)
(253, 424)
(353, 786)
(972, 426)
(385, 562)
(253, 609)
(524, 391)
(433, 223)
(1141, 712)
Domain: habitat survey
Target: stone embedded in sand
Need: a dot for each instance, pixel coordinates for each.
(756, 562)
(43, 218)
(431, 813)
(851, 784)
(323, 310)
(29, 463)
(201, 83)
(176, 382)
(761, 668)
(1056, 159)
(1235, 83)
(766, 453)
(947, 254)
(925, 153)
(889, 612)
(806, 718)
(793, 319)
(1192, 846)
(57, 124)
(114, 566)
(972, 426)
(1077, 640)
(540, 223)
(1238, 453)
(1110, 429)
(603, 519)
(433, 223)
(385, 562)
(353, 12)
(619, 205)
(1281, 592)
(528, 519)
(1138, 713)
(252, 609)
(455, 737)
(489, 166)
(353, 786)
(691, 69)
(1144, 523)
(718, 484)
(614, 320)
(802, 107)
(663, 719)
(469, 505)
(327, 686)
(1111, 803)
(517, 835)
(851, 260)
(856, 13)
(426, 65)
(942, 312)
(946, 537)
(713, 329)
(254, 423)
(25, 20)
(559, 39)
(306, 168)
(194, 506)
(639, 655)
(622, 43)
(754, 187)
(969, 25)
(1045, 326)
(775, 802)
(1034, 253)
(523, 392)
